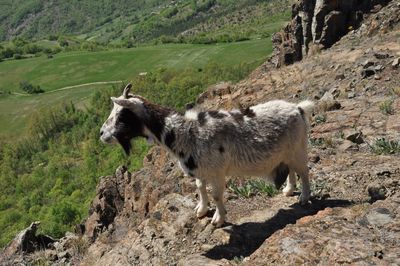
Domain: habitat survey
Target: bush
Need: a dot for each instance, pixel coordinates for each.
(17, 56)
(29, 88)
(383, 146)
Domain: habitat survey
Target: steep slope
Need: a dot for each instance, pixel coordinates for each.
(355, 210)
(146, 218)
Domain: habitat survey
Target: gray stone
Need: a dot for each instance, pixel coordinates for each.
(379, 68)
(396, 62)
(329, 103)
(379, 216)
(351, 95)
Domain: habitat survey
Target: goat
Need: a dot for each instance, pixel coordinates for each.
(268, 139)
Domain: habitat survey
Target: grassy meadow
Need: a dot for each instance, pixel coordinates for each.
(76, 68)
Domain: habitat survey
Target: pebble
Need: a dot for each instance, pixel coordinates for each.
(396, 62)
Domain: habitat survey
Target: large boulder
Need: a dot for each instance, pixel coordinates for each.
(320, 22)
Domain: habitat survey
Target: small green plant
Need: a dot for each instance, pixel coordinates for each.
(386, 107)
(244, 191)
(319, 119)
(238, 260)
(251, 188)
(383, 146)
(316, 142)
(263, 187)
(339, 134)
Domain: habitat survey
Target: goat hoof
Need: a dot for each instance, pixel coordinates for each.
(201, 210)
(217, 220)
(303, 200)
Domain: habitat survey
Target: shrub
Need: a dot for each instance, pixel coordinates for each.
(251, 188)
(30, 88)
(383, 146)
(386, 107)
(17, 56)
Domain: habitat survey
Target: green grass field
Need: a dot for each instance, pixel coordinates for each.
(75, 68)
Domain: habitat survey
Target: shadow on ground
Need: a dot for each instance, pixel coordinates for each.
(248, 237)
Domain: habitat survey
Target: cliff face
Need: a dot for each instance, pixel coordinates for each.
(147, 217)
(319, 23)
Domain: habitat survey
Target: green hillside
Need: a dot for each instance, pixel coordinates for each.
(75, 68)
(135, 21)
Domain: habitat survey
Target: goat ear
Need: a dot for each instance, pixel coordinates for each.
(122, 102)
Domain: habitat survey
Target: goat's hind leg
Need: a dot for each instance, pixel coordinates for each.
(218, 186)
(290, 184)
(305, 185)
(202, 207)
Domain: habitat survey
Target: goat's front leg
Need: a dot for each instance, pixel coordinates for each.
(218, 187)
(202, 207)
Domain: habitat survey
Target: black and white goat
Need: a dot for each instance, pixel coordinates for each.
(268, 139)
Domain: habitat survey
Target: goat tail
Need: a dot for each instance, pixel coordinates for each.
(306, 108)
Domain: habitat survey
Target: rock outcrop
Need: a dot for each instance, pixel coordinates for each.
(318, 24)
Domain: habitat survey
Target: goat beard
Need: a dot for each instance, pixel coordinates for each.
(125, 143)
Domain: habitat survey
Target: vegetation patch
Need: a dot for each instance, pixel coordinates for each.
(383, 146)
(30, 88)
(386, 107)
(252, 188)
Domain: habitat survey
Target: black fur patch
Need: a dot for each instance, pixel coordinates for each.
(281, 173)
(237, 116)
(191, 164)
(189, 106)
(216, 114)
(301, 111)
(128, 126)
(248, 112)
(156, 121)
(170, 139)
(221, 149)
(181, 154)
(201, 117)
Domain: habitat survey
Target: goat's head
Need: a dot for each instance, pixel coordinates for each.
(125, 121)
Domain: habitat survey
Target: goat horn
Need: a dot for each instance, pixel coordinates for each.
(126, 90)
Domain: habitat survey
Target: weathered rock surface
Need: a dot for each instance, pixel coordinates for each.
(318, 24)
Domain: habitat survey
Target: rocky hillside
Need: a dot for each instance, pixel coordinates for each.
(147, 217)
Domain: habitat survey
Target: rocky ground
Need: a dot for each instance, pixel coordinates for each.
(147, 217)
